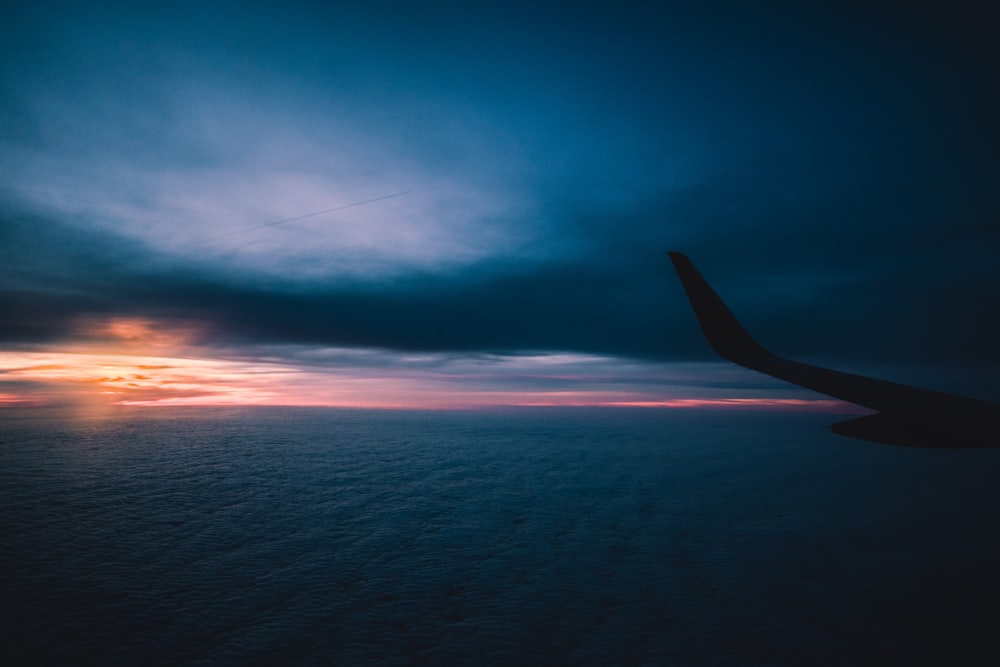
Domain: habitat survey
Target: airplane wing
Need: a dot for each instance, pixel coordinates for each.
(904, 415)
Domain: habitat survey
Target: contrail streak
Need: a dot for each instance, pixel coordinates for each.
(307, 215)
(328, 210)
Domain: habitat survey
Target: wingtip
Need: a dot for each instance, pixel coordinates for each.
(721, 328)
(678, 258)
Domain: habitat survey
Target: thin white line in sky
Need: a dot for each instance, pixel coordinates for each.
(328, 210)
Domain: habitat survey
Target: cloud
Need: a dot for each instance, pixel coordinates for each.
(137, 362)
(202, 180)
(838, 194)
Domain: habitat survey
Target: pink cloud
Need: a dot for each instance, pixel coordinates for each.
(145, 363)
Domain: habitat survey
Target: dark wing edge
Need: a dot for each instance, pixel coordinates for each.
(906, 415)
(721, 328)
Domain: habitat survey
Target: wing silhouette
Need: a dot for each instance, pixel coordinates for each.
(905, 415)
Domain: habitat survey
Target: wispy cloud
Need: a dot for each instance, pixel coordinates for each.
(141, 362)
(549, 159)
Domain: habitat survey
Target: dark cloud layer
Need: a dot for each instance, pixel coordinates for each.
(618, 301)
(832, 170)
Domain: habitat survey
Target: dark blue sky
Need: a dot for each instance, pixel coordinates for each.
(831, 168)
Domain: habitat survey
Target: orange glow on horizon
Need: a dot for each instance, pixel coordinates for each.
(127, 362)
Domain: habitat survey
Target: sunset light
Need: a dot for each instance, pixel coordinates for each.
(141, 362)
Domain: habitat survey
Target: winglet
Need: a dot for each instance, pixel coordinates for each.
(905, 415)
(722, 330)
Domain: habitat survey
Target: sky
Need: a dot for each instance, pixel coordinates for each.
(468, 204)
